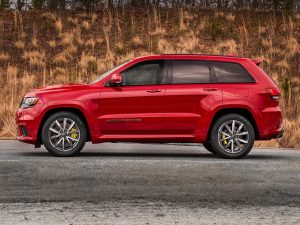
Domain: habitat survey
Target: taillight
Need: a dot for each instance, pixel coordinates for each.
(274, 93)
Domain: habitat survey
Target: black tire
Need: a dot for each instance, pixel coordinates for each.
(208, 147)
(220, 148)
(80, 129)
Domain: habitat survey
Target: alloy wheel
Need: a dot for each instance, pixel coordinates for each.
(64, 134)
(233, 136)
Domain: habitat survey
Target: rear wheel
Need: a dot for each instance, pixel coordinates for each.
(208, 147)
(64, 134)
(232, 136)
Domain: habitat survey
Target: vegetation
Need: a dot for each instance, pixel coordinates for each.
(44, 48)
(94, 5)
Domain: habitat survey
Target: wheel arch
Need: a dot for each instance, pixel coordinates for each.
(241, 111)
(51, 111)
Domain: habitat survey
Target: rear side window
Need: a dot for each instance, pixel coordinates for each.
(144, 73)
(231, 73)
(190, 72)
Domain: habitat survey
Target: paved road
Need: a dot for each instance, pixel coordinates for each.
(181, 176)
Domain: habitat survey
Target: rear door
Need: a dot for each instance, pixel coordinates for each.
(191, 93)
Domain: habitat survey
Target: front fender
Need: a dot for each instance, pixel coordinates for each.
(55, 106)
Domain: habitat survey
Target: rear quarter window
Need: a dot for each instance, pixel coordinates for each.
(227, 72)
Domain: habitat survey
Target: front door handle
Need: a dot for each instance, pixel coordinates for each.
(210, 89)
(153, 91)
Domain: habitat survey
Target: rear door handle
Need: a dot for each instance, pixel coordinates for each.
(210, 89)
(153, 91)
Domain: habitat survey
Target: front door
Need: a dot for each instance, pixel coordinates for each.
(134, 109)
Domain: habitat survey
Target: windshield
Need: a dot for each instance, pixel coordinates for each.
(108, 72)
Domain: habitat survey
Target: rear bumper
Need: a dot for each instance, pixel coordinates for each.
(275, 134)
(271, 123)
(279, 135)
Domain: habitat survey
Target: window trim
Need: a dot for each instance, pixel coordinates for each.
(242, 66)
(164, 73)
(212, 76)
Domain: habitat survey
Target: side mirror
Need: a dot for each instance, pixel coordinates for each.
(116, 79)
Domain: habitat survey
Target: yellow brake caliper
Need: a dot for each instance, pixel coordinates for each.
(225, 140)
(74, 134)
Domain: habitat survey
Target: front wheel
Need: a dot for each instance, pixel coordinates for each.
(64, 134)
(232, 136)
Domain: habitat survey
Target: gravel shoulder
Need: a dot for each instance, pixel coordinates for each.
(143, 213)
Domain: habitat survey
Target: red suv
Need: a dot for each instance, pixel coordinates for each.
(224, 102)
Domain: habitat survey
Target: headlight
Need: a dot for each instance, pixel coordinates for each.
(29, 102)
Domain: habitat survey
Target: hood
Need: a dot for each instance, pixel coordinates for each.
(56, 88)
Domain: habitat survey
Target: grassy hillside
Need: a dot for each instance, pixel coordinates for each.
(43, 48)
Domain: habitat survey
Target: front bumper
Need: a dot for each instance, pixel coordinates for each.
(27, 121)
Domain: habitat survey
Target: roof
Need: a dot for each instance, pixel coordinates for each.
(198, 54)
(192, 56)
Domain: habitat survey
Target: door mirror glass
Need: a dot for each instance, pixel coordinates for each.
(116, 79)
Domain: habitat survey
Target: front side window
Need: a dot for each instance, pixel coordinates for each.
(190, 72)
(144, 73)
(231, 73)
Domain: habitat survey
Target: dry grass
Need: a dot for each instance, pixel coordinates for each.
(4, 56)
(46, 48)
(267, 43)
(137, 41)
(34, 42)
(59, 71)
(85, 60)
(49, 16)
(283, 64)
(72, 20)
(86, 25)
(158, 31)
(292, 46)
(27, 81)
(94, 18)
(119, 47)
(91, 43)
(182, 25)
(52, 43)
(67, 38)
(20, 44)
(165, 47)
(58, 25)
(60, 58)
(189, 42)
(230, 17)
(35, 58)
(225, 47)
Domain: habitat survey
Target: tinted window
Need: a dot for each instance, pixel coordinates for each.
(231, 73)
(145, 73)
(190, 72)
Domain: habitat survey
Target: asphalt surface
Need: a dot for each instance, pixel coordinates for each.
(164, 177)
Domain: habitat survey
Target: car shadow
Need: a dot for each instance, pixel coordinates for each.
(110, 154)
